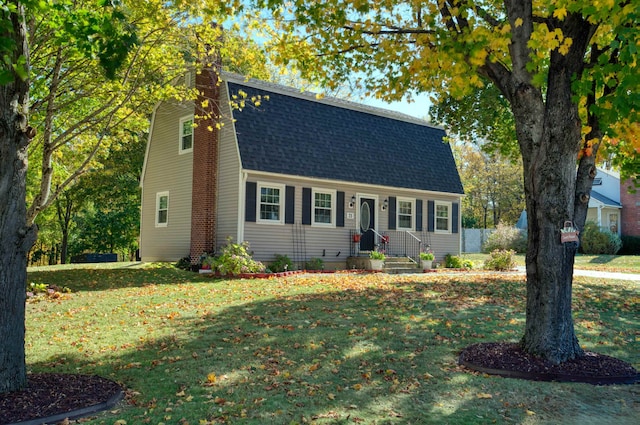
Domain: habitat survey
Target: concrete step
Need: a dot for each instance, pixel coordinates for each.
(396, 265)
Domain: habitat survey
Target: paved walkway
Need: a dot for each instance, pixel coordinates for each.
(599, 274)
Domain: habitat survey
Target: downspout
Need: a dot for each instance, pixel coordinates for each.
(241, 204)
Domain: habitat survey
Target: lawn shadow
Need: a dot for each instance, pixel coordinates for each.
(341, 356)
(384, 356)
(100, 279)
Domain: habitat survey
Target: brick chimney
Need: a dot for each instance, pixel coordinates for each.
(630, 213)
(205, 162)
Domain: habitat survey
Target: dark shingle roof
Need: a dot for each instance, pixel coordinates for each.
(605, 199)
(298, 136)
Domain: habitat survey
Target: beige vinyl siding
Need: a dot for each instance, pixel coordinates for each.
(334, 243)
(167, 171)
(228, 179)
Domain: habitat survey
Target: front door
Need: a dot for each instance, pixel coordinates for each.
(367, 224)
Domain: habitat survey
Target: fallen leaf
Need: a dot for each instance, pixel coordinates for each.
(484, 395)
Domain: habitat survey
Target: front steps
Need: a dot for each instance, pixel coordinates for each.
(397, 265)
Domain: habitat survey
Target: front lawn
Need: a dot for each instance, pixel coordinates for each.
(324, 349)
(611, 263)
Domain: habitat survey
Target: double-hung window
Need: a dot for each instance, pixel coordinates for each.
(443, 217)
(406, 212)
(186, 134)
(271, 203)
(324, 211)
(162, 209)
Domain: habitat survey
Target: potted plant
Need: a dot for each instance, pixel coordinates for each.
(426, 259)
(376, 260)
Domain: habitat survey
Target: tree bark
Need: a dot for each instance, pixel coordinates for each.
(16, 237)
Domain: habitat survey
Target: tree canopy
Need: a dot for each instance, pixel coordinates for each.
(566, 69)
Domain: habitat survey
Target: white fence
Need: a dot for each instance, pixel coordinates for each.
(473, 239)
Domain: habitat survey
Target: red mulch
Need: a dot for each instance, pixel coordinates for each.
(508, 360)
(50, 394)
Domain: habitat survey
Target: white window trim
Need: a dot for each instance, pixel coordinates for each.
(413, 213)
(435, 216)
(279, 186)
(180, 134)
(333, 194)
(157, 211)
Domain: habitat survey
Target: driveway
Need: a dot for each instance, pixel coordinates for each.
(599, 274)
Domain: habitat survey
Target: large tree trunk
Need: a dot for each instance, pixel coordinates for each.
(551, 197)
(15, 237)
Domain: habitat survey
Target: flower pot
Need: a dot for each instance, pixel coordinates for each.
(426, 264)
(376, 264)
(355, 238)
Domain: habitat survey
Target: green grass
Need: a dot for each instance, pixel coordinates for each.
(322, 349)
(612, 263)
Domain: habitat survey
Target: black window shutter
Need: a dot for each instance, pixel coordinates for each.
(418, 215)
(306, 205)
(340, 209)
(454, 218)
(392, 212)
(250, 201)
(290, 205)
(430, 216)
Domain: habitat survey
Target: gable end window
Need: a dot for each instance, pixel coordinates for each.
(270, 203)
(186, 135)
(442, 217)
(405, 211)
(162, 209)
(324, 207)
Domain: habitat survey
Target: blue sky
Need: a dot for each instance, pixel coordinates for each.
(419, 108)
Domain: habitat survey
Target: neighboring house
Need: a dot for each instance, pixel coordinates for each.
(604, 204)
(630, 217)
(297, 176)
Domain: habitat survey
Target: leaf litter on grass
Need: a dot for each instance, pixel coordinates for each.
(315, 348)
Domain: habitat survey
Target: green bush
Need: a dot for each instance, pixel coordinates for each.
(234, 259)
(314, 264)
(500, 259)
(630, 245)
(595, 241)
(455, 262)
(184, 263)
(452, 261)
(506, 237)
(282, 263)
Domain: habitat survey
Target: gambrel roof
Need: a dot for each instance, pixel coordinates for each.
(296, 134)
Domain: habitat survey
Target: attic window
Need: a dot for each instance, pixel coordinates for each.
(186, 134)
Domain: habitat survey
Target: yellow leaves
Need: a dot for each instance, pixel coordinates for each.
(564, 48)
(120, 422)
(518, 22)
(211, 378)
(560, 13)
(483, 396)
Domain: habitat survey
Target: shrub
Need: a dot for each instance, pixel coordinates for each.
(500, 259)
(506, 237)
(455, 262)
(184, 263)
(282, 263)
(314, 264)
(452, 262)
(595, 241)
(630, 245)
(234, 259)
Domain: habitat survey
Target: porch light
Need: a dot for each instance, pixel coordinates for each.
(353, 201)
(385, 204)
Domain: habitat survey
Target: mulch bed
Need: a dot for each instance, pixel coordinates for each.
(508, 360)
(50, 394)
